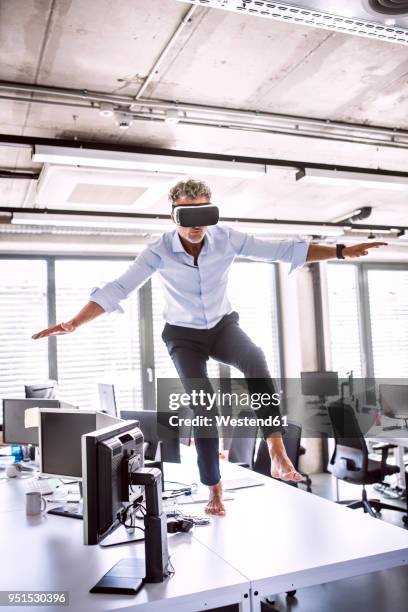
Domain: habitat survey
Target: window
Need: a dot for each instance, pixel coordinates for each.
(252, 293)
(388, 292)
(382, 319)
(345, 340)
(107, 349)
(23, 296)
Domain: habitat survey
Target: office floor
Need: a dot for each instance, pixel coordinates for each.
(385, 591)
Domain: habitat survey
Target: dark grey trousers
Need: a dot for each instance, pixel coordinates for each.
(227, 343)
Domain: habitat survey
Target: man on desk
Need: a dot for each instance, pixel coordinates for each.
(193, 261)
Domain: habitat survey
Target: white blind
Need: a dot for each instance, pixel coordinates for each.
(252, 293)
(164, 366)
(388, 291)
(23, 299)
(345, 340)
(105, 350)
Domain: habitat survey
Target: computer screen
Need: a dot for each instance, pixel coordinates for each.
(170, 446)
(394, 400)
(14, 430)
(322, 384)
(107, 400)
(46, 390)
(60, 441)
(60, 434)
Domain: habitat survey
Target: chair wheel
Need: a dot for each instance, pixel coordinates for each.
(405, 519)
(290, 593)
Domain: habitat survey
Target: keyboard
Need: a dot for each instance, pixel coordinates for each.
(45, 487)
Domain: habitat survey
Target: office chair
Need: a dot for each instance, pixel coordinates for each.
(291, 440)
(350, 461)
(242, 448)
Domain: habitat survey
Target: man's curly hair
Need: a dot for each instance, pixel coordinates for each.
(190, 189)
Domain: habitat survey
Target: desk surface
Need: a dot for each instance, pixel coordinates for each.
(288, 537)
(47, 552)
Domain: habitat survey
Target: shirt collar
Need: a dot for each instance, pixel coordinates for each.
(177, 246)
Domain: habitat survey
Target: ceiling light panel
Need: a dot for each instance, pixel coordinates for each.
(145, 162)
(337, 178)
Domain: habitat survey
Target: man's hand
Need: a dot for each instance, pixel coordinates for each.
(56, 330)
(358, 250)
(281, 465)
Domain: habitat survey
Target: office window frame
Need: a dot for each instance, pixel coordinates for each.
(364, 312)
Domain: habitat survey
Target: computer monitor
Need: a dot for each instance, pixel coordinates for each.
(394, 400)
(14, 429)
(107, 401)
(45, 390)
(321, 384)
(148, 423)
(60, 434)
(108, 457)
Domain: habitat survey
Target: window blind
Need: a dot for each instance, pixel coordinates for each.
(388, 291)
(106, 349)
(252, 293)
(23, 298)
(345, 339)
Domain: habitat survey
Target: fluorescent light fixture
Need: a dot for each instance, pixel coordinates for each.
(142, 161)
(21, 218)
(289, 230)
(315, 176)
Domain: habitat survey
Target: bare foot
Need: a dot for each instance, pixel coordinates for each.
(283, 468)
(215, 505)
(281, 465)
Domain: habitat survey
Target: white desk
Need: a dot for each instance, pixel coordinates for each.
(283, 538)
(47, 553)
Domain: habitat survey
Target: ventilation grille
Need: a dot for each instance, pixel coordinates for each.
(320, 19)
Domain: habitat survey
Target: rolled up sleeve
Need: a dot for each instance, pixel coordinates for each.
(110, 295)
(288, 251)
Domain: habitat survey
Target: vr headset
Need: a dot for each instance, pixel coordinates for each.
(195, 215)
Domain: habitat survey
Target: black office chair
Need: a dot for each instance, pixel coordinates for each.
(350, 461)
(291, 440)
(242, 448)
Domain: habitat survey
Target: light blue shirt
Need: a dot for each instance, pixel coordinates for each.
(196, 296)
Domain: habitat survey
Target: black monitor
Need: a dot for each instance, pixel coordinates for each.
(108, 457)
(14, 430)
(45, 390)
(60, 434)
(321, 384)
(107, 400)
(148, 423)
(394, 400)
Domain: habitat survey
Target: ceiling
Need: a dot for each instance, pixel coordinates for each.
(218, 59)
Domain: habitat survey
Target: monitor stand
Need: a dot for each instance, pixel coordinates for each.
(126, 577)
(71, 510)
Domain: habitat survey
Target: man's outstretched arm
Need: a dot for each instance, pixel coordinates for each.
(321, 252)
(90, 311)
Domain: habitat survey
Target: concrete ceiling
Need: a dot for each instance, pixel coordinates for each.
(222, 59)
